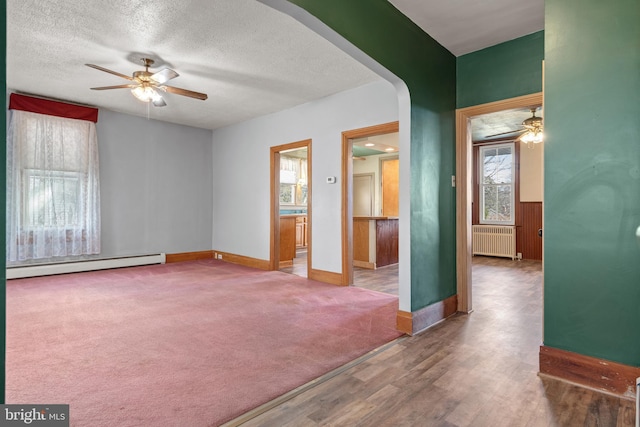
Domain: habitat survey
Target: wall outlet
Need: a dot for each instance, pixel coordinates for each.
(219, 256)
(519, 255)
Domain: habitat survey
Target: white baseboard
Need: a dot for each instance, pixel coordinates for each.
(19, 272)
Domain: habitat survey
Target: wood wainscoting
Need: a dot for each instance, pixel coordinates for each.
(417, 321)
(528, 242)
(602, 375)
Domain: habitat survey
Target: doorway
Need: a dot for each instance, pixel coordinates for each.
(368, 154)
(290, 248)
(465, 187)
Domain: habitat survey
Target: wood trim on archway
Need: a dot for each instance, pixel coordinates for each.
(347, 191)
(464, 187)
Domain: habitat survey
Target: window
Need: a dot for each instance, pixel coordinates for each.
(293, 181)
(287, 194)
(52, 198)
(53, 203)
(497, 177)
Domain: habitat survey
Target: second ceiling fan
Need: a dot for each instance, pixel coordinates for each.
(531, 132)
(147, 86)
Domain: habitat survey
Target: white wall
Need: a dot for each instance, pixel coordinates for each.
(241, 170)
(155, 185)
(531, 172)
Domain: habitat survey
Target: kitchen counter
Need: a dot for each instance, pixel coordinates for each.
(375, 241)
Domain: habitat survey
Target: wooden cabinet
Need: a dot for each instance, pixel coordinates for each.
(293, 234)
(287, 240)
(301, 232)
(375, 241)
(387, 242)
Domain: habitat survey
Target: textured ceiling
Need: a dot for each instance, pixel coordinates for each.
(250, 59)
(507, 123)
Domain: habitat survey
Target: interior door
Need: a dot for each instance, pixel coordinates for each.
(390, 186)
(363, 189)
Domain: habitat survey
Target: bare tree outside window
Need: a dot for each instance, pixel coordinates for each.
(496, 184)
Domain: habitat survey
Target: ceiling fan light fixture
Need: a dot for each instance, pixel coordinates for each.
(533, 126)
(146, 86)
(145, 93)
(532, 136)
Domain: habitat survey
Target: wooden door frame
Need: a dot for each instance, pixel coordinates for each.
(274, 246)
(464, 187)
(347, 191)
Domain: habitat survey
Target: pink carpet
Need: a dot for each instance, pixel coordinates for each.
(185, 344)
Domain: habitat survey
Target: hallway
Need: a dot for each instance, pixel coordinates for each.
(470, 370)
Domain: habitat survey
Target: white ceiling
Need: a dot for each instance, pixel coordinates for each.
(250, 59)
(464, 26)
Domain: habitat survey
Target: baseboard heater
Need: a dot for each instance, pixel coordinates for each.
(22, 271)
(494, 240)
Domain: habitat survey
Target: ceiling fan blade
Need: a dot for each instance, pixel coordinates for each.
(504, 133)
(184, 92)
(130, 86)
(159, 102)
(164, 76)
(106, 70)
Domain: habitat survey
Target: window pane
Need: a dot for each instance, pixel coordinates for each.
(303, 195)
(504, 202)
(496, 165)
(496, 184)
(497, 203)
(287, 194)
(490, 203)
(53, 201)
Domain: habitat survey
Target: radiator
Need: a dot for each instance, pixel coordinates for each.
(494, 240)
(19, 272)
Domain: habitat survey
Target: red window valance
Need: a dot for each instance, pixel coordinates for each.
(52, 108)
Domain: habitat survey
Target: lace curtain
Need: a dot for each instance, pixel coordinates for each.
(53, 201)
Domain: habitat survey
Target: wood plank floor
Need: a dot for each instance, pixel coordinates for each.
(384, 279)
(470, 370)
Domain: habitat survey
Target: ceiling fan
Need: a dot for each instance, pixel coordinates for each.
(531, 132)
(146, 86)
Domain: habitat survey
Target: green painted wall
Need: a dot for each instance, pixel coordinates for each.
(592, 178)
(429, 72)
(503, 71)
